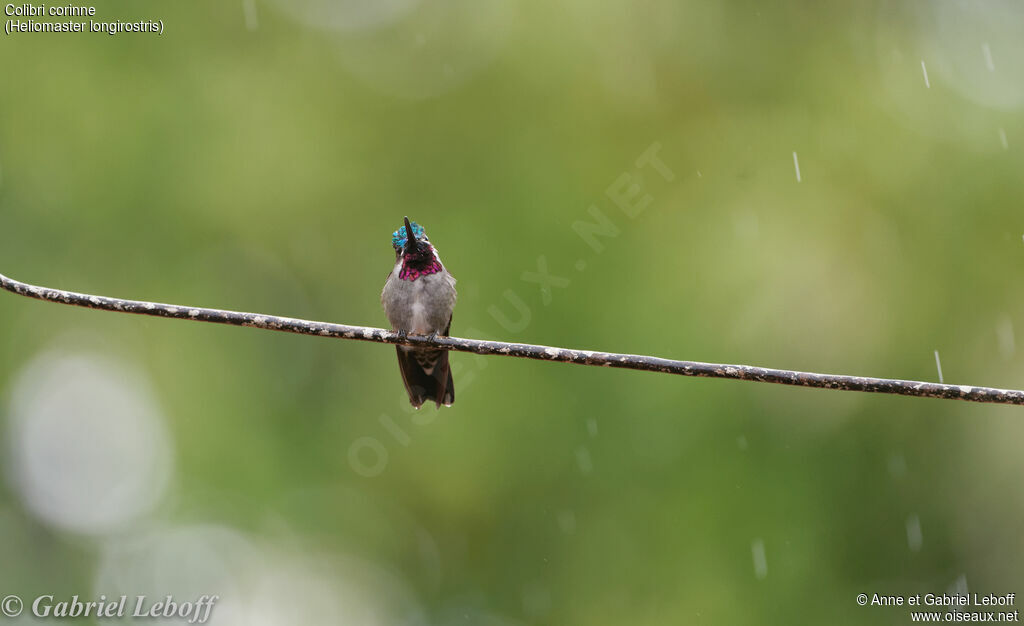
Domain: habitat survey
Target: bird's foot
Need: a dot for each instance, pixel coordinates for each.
(432, 336)
(403, 335)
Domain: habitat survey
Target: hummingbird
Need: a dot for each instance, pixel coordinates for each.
(418, 298)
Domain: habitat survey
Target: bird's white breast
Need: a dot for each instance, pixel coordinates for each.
(419, 318)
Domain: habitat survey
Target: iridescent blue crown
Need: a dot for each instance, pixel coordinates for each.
(398, 237)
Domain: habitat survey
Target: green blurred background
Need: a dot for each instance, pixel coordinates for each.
(258, 155)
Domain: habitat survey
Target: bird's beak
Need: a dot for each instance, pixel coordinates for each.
(410, 237)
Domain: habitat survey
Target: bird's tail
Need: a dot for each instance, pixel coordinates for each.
(426, 375)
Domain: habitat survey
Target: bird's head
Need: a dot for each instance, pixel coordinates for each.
(413, 249)
(410, 239)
